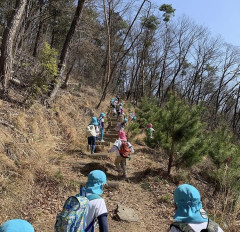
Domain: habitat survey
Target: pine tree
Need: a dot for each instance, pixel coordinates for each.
(146, 111)
(225, 156)
(178, 130)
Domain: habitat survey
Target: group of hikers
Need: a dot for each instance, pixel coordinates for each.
(117, 109)
(87, 210)
(121, 146)
(82, 212)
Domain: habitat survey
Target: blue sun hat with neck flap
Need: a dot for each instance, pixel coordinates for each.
(95, 182)
(16, 225)
(94, 121)
(189, 205)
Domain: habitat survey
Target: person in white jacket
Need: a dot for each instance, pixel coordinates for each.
(92, 132)
(120, 161)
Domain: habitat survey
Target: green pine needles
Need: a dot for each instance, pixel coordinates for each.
(225, 156)
(180, 132)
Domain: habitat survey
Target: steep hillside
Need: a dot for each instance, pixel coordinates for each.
(44, 160)
(32, 141)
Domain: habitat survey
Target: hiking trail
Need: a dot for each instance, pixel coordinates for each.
(131, 192)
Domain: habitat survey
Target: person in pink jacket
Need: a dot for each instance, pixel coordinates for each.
(120, 161)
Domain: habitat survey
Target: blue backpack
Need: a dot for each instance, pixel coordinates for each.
(99, 122)
(72, 218)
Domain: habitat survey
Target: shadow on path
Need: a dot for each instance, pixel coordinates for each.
(149, 172)
(85, 169)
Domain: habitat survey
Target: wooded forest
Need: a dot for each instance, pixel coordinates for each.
(182, 79)
(131, 47)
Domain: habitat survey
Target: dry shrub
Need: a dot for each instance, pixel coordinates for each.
(88, 91)
(225, 211)
(20, 121)
(139, 139)
(31, 174)
(8, 170)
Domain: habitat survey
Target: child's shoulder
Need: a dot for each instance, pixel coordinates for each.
(129, 144)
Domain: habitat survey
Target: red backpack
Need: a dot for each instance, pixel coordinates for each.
(124, 150)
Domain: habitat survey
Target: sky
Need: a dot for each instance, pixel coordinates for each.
(222, 17)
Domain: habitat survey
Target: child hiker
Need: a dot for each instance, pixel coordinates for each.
(121, 125)
(190, 216)
(112, 103)
(101, 125)
(119, 110)
(123, 149)
(150, 131)
(82, 211)
(91, 132)
(97, 208)
(16, 225)
(134, 118)
(114, 112)
(130, 116)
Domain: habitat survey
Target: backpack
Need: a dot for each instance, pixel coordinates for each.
(99, 122)
(72, 217)
(124, 150)
(90, 130)
(184, 227)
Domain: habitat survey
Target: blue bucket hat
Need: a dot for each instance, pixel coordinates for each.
(16, 225)
(94, 121)
(125, 120)
(102, 115)
(189, 205)
(95, 182)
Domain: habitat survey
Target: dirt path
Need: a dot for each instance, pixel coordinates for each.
(133, 193)
(145, 190)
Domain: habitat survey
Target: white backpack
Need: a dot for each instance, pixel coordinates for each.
(90, 130)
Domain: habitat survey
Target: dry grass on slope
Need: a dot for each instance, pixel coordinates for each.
(33, 144)
(41, 165)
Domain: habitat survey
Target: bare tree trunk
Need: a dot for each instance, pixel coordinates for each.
(39, 30)
(65, 84)
(143, 72)
(52, 38)
(65, 49)
(170, 160)
(108, 52)
(6, 59)
(105, 70)
(234, 121)
(118, 55)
